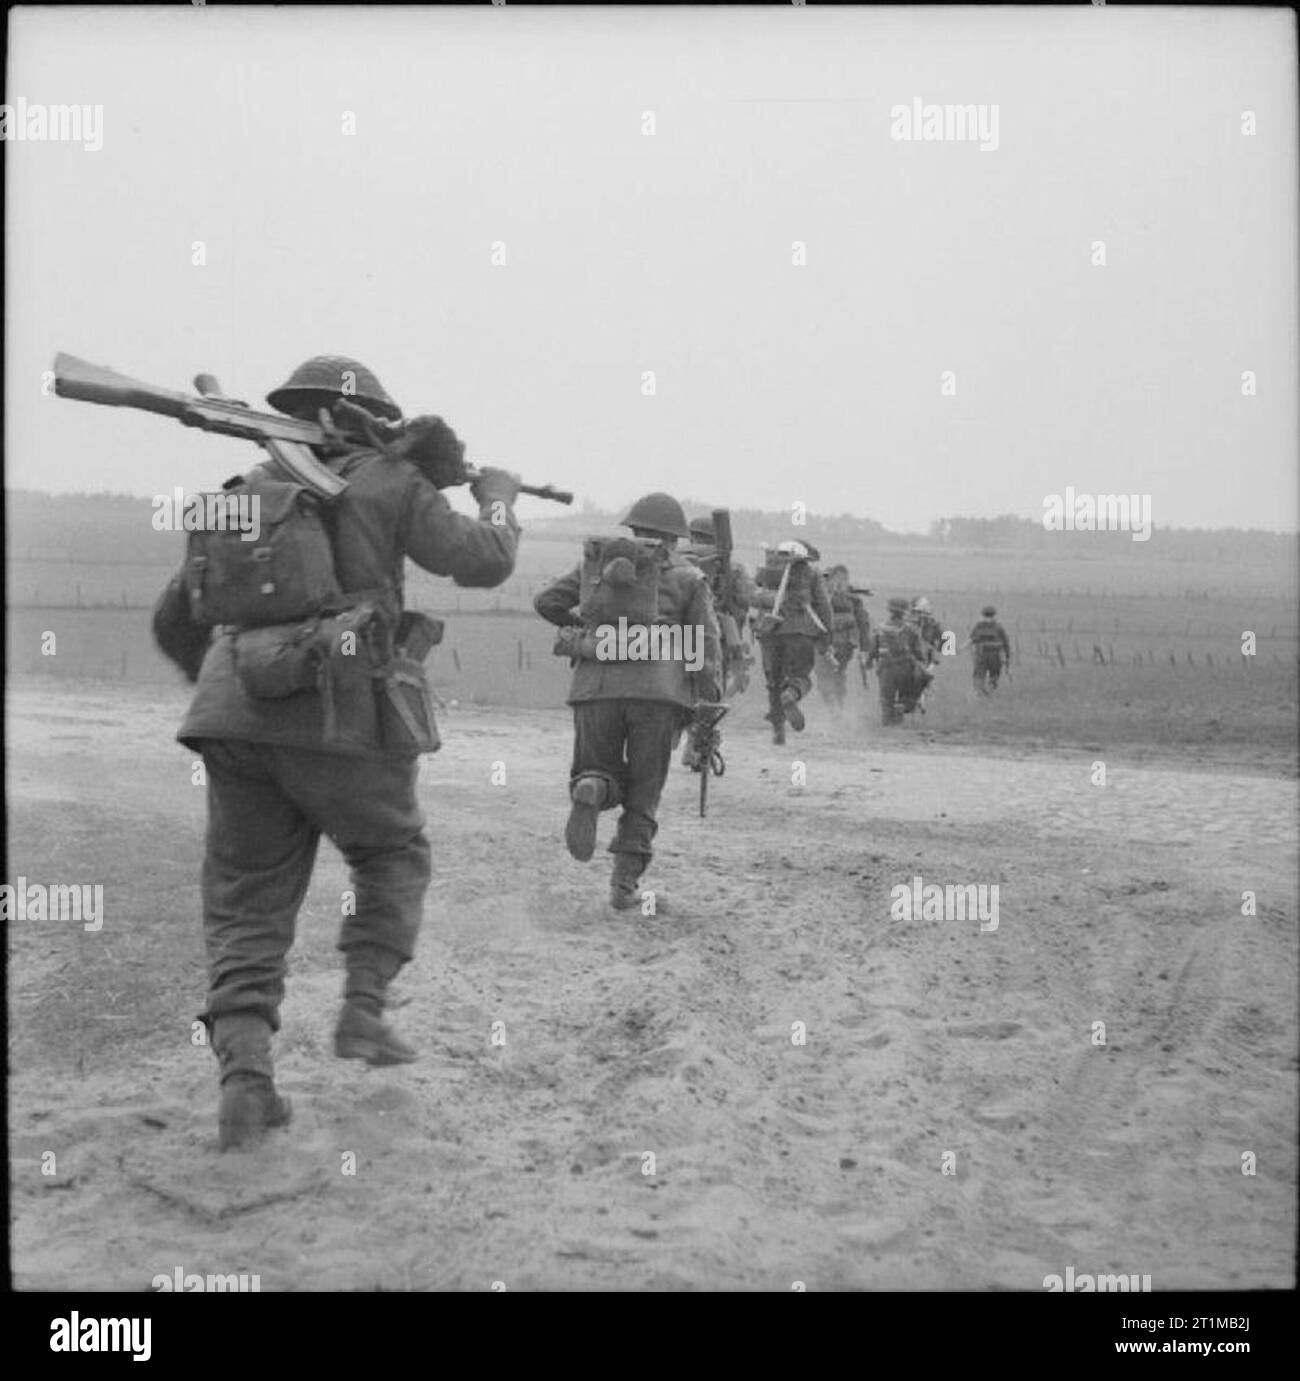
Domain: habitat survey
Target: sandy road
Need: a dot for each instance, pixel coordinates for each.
(671, 1036)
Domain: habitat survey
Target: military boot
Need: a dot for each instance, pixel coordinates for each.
(250, 1105)
(625, 889)
(777, 721)
(361, 1032)
(588, 796)
(790, 703)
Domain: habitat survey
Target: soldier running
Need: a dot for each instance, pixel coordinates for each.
(990, 647)
(283, 771)
(629, 715)
(928, 628)
(902, 674)
(730, 605)
(796, 617)
(850, 635)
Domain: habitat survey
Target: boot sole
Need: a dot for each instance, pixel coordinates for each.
(580, 832)
(795, 715)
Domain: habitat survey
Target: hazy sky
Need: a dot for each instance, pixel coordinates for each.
(671, 252)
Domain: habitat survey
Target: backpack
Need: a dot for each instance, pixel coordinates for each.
(895, 644)
(283, 574)
(620, 579)
(798, 588)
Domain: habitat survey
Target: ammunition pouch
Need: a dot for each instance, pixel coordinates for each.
(371, 696)
(278, 661)
(406, 719)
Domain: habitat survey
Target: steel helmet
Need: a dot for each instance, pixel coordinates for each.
(658, 513)
(922, 604)
(988, 611)
(325, 378)
(898, 605)
(795, 549)
(703, 531)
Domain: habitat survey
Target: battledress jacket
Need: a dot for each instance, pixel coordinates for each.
(683, 599)
(388, 512)
(805, 595)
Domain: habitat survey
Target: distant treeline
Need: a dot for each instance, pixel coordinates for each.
(109, 527)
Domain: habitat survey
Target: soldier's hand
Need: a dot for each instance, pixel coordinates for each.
(429, 443)
(492, 484)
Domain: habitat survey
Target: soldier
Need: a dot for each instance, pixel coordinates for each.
(990, 646)
(791, 633)
(929, 629)
(283, 771)
(902, 674)
(629, 715)
(850, 634)
(731, 605)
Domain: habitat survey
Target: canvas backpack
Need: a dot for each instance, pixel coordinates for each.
(281, 573)
(620, 579)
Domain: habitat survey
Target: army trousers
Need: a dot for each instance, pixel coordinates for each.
(787, 663)
(267, 809)
(901, 686)
(629, 744)
(988, 663)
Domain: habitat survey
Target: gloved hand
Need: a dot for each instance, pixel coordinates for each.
(430, 444)
(490, 484)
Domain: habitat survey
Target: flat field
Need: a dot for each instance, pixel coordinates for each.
(783, 1080)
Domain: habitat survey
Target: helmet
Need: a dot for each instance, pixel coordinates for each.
(324, 378)
(921, 603)
(658, 513)
(703, 531)
(795, 549)
(898, 605)
(988, 611)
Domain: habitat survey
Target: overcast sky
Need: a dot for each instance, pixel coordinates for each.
(671, 252)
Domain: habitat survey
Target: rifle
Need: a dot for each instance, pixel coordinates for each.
(706, 745)
(287, 440)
